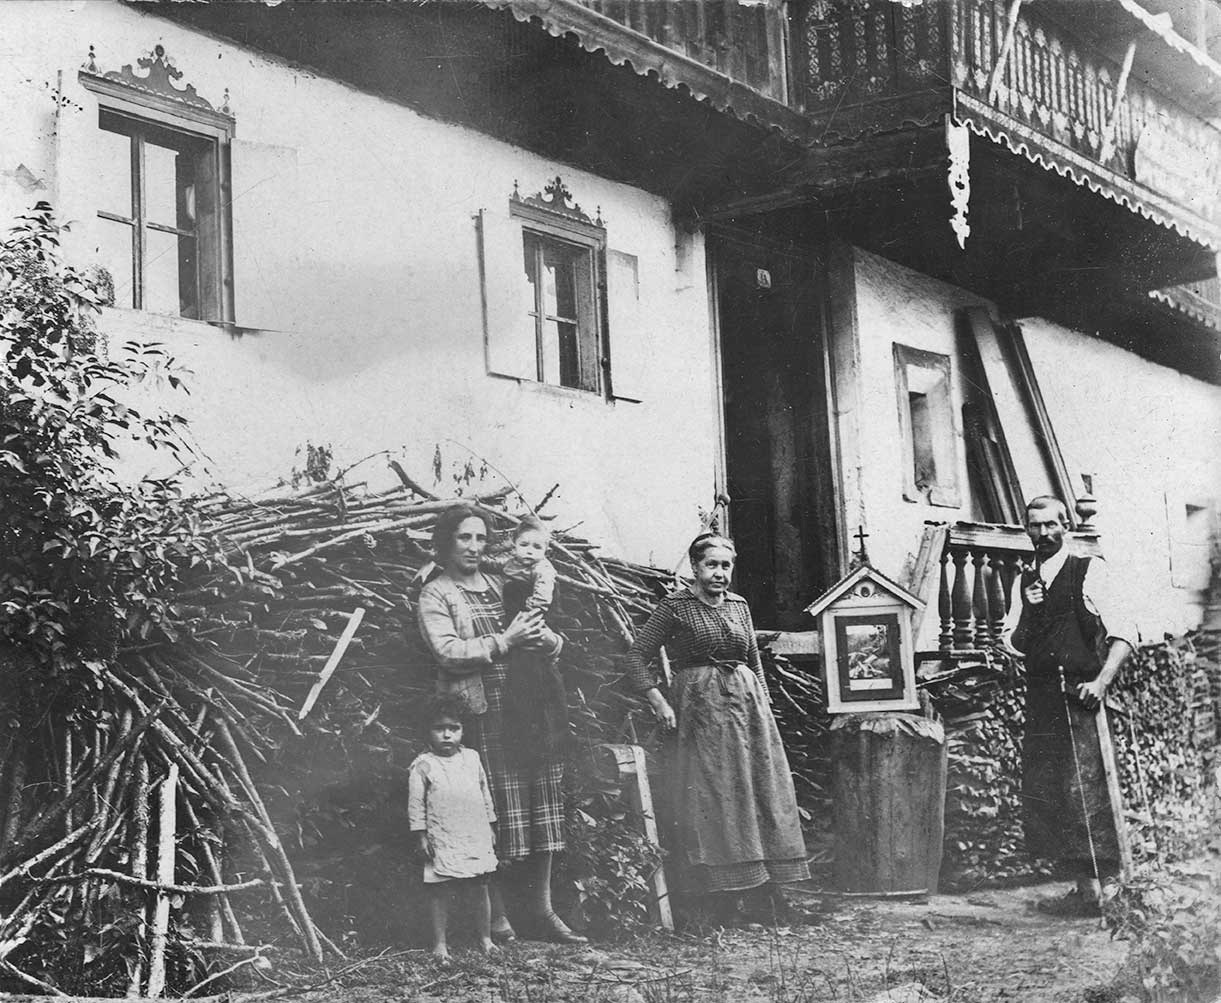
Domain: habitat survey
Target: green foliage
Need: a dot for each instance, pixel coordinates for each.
(607, 864)
(85, 556)
(1172, 915)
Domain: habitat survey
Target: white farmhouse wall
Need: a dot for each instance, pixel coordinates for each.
(1152, 439)
(370, 262)
(1150, 435)
(895, 305)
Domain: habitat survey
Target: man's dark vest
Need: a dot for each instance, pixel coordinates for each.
(1062, 630)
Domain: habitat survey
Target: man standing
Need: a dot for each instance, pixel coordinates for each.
(1072, 653)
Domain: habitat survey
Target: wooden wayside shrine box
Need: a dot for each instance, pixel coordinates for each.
(888, 760)
(868, 653)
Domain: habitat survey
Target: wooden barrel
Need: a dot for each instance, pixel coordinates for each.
(889, 773)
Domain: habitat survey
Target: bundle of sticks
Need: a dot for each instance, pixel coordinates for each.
(147, 828)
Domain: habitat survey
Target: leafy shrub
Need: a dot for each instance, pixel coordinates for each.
(607, 865)
(1173, 916)
(86, 557)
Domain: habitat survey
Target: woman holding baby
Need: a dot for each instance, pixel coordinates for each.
(463, 618)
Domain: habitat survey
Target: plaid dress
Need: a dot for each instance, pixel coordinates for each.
(529, 803)
(735, 815)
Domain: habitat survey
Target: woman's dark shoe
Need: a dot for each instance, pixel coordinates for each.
(551, 927)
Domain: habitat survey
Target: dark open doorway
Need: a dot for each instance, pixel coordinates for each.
(778, 457)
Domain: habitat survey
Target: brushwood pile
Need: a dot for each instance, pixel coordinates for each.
(186, 816)
(190, 817)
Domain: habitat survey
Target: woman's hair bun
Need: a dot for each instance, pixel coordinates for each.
(705, 542)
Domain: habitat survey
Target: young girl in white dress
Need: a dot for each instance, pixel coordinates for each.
(452, 820)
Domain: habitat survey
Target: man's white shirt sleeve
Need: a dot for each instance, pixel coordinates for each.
(1102, 594)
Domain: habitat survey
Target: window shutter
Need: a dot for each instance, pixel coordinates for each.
(629, 351)
(266, 208)
(509, 337)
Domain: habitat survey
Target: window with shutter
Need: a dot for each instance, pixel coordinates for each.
(628, 349)
(542, 263)
(162, 190)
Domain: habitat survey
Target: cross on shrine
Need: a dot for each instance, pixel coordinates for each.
(861, 536)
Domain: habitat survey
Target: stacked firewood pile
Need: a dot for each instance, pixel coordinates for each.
(1165, 740)
(981, 700)
(1164, 734)
(217, 790)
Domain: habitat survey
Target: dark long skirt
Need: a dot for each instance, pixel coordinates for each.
(1055, 804)
(735, 811)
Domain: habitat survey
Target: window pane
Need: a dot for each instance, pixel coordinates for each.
(570, 360)
(188, 278)
(551, 352)
(161, 184)
(161, 273)
(530, 245)
(560, 262)
(115, 255)
(561, 355)
(114, 173)
(924, 453)
(561, 275)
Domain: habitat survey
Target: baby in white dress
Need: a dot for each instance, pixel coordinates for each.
(450, 812)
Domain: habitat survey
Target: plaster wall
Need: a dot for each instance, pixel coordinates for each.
(1151, 437)
(360, 265)
(895, 305)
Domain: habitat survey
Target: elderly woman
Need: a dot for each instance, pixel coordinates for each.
(734, 806)
(461, 616)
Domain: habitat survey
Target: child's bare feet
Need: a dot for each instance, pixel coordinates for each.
(441, 952)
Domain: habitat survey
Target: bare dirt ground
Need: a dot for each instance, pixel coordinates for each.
(982, 948)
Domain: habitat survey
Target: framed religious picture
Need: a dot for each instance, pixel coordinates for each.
(868, 661)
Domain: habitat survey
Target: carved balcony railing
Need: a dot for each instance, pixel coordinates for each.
(966, 571)
(866, 65)
(744, 41)
(849, 58)
(978, 567)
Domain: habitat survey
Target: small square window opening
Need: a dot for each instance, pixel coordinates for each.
(926, 416)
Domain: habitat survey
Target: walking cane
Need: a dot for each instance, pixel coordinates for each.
(1085, 808)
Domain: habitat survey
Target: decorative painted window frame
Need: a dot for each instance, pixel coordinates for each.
(549, 214)
(153, 98)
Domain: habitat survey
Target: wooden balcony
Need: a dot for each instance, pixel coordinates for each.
(861, 67)
(875, 65)
(744, 41)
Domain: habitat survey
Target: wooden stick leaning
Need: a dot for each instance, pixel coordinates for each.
(167, 830)
(332, 663)
(23, 870)
(43, 821)
(292, 889)
(227, 915)
(138, 840)
(1114, 793)
(19, 758)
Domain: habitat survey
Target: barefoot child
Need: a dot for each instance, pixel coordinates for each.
(449, 809)
(536, 705)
